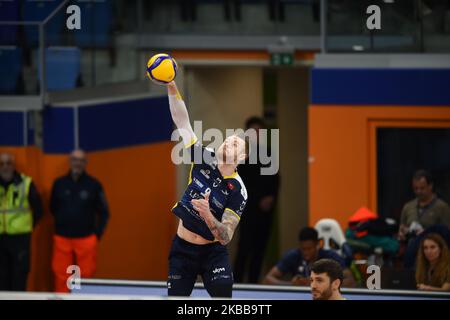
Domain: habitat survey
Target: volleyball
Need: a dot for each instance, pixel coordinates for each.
(162, 68)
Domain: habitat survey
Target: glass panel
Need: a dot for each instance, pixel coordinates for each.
(347, 27)
(402, 151)
(406, 26)
(436, 25)
(245, 17)
(19, 75)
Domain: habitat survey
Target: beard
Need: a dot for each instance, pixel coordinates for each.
(325, 295)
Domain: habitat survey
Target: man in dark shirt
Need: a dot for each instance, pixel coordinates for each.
(426, 210)
(256, 224)
(297, 262)
(81, 213)
(20, 210)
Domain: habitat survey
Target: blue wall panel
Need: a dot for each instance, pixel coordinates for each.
(11, 128)
(58, 135)
(122, 124)
(381, 86)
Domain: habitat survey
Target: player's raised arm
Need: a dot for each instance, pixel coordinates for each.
(180, 115)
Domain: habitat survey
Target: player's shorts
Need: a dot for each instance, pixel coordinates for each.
(210, 261)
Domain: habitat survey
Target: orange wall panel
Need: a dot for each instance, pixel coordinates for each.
(139, 183)
(41, 276)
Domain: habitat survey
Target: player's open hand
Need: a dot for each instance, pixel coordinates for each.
(202, 206)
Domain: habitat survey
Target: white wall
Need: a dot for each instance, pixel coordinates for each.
(293, 98)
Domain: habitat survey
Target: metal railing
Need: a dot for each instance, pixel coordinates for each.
(42, 63)
(145, 39)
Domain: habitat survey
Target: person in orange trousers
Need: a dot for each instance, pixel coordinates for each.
(80, 211)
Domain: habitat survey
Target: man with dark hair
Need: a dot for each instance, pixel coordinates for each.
(256, 224)
(425, 210)
(297, 262)
(419, 174)
(326, 280)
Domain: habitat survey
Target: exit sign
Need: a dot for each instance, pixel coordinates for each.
(281, 59)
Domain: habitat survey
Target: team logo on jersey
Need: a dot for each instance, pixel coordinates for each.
(217, 270)
(193, 194)
(191, 211)
(244, 192)
(196, 214)
(207, 190)
(197, 182)
(217, 182)
(217, 203)
(242, 207)
(84, 194)
(230, 186)
(205, 173)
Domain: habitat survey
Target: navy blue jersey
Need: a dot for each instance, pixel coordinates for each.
(226, 192)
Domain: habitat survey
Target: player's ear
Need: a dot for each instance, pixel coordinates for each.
(336, 284)
(242, 157)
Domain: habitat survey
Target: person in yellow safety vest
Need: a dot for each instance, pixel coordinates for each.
(20, 210)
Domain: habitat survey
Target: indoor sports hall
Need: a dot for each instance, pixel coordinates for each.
(322, 129)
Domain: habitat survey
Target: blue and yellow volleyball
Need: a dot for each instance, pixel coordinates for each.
(162, 68)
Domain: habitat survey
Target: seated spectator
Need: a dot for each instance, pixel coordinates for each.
(425, 213)
(297, 262)
(410, 254)
(433, 264)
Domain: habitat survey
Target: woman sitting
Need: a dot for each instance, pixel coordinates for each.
(433, 264)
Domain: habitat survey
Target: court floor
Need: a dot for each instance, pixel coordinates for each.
(240, 291)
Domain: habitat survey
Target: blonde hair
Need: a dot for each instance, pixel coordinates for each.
(442, 268)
